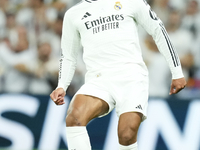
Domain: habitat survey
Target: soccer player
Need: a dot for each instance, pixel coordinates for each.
(116, 74)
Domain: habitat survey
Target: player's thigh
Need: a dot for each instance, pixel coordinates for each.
(128, 127)
(84, 108)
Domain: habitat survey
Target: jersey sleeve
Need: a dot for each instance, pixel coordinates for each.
(145, 17)
(70, 45)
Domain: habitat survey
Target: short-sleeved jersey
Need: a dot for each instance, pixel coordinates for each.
(108, 33)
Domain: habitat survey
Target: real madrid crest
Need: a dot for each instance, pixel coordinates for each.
(118, 6)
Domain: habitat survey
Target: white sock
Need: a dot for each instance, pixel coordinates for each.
(77, 138)
(129, 147)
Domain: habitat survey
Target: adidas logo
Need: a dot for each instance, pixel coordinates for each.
(139, 107)
(87, 14)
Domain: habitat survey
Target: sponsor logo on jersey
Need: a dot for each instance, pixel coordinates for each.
(117, 6)
(104, 23)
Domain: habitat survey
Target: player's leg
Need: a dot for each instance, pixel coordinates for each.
(127, 130)
(82, 109)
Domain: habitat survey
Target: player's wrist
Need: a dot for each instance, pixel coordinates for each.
(177, 73)
(60, 85)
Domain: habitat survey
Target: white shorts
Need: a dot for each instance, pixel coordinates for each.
(125, 90)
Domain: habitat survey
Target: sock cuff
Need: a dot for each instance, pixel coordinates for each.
(77, 138)
(76, 128)
(129, 147)
(76, 131)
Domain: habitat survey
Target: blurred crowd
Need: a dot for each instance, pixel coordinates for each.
(182, 21)
(30, 35)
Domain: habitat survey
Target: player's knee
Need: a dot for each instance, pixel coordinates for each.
(74, 118)
(127, 135)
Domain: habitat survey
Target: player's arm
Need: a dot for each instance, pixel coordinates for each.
(154, 26)
(70, 45)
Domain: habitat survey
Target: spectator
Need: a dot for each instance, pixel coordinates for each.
(159, 73)
(15, 56)
(161, 7)
(191, 20)
(2, 68)
(2, 24)
(178, 4)
(54, 35)
(3, 4)
(36, 16)
(45, 72)
(10, 23)
(194, 82)
(62, 5)
(182, 40)
(193, 85)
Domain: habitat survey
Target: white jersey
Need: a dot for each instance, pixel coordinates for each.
(107, 30)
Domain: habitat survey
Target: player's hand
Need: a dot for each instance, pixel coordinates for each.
(177, 85)
(58, 96)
